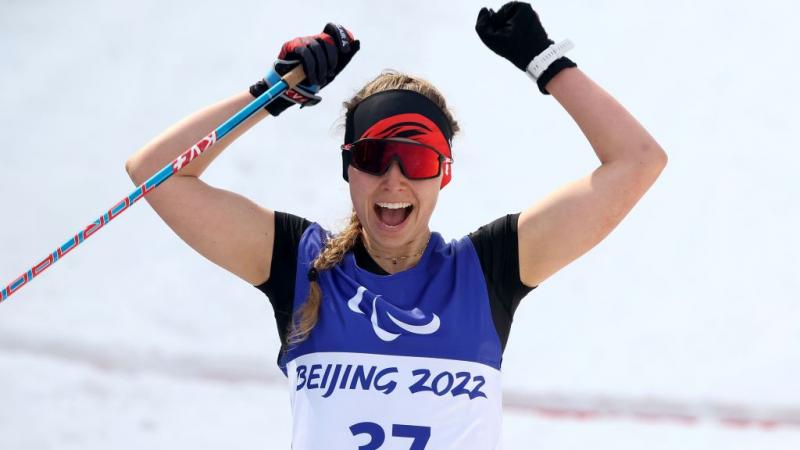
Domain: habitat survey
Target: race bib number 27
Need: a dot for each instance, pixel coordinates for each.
(377, 435)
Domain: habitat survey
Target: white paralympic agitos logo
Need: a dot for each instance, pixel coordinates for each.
(428, 328)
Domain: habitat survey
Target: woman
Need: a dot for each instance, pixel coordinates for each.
(392, 337)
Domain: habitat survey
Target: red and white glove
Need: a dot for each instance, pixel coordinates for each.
(322, 56)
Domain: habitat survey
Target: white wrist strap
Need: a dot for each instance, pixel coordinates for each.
(543, 60)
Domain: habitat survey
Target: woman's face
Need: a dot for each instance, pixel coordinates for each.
(376, 198)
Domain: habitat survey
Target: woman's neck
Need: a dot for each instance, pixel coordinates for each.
(397, 259)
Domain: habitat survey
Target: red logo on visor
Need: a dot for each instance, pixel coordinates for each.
(410, 126)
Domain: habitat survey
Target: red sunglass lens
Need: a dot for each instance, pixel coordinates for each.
(368, 156)
(375, 157)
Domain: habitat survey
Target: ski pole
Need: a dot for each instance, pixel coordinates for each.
(288, 81)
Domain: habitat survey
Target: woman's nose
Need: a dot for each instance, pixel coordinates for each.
(394, 172)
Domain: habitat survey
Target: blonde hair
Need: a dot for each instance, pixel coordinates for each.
(305, 318)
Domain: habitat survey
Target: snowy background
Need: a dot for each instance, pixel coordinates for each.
(680, 331)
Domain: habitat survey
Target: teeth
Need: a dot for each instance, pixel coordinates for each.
(393, 205)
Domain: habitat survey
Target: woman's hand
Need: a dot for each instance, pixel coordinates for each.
(322, 56)
(515, 33)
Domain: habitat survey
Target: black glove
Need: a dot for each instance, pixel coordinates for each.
(323, 56)
(515, 33)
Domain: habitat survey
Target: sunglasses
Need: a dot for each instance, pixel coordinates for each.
(374, 156)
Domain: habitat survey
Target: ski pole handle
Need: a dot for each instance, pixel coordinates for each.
(288, 81)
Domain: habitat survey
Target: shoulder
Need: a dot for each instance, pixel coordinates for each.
(501, 228)
(289, 230)
(287, 224)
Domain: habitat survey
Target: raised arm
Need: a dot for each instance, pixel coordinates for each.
(570, 221)
(225, 227)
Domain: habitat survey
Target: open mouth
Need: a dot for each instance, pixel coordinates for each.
(393, 214)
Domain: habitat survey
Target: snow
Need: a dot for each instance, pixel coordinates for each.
(689, 308)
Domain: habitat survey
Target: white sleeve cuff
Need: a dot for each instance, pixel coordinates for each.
(543, 60)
